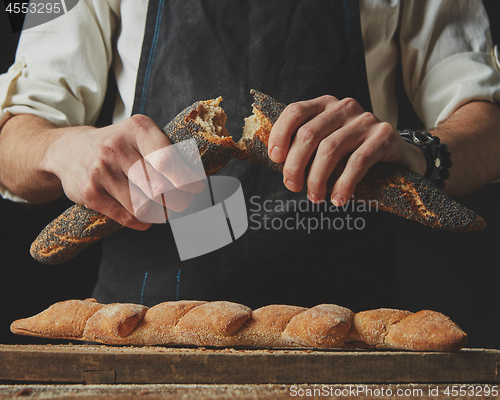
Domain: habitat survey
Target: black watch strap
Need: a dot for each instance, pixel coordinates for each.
(437, 155)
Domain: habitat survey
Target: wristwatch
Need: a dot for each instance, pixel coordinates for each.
(437, 155)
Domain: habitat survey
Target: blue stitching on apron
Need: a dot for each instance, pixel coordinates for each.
(151, 57)
(351, 50)
(141, 111)
(143, 285)
(178, 284)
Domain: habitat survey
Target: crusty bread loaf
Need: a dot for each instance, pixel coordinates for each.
(226, 324)
(394, 188)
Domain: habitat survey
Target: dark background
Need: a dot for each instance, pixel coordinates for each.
(454, 273)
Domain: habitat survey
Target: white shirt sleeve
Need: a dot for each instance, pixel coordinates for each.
(448, 56)
(446, 52)
(57, 75)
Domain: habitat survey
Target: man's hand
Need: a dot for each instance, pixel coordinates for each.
(103, 169)
(324, 130)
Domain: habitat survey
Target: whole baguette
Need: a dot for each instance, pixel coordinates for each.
(226, 324)
(394, 188)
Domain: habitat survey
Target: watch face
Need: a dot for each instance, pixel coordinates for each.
(422, 138)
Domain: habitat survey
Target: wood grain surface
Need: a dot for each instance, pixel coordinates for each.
(97, 364)
(246, 392)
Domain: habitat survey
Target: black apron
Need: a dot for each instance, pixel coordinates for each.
(293, 252)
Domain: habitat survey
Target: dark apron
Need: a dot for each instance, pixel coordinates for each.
(292, 50)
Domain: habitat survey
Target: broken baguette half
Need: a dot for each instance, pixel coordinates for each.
(204, 121)
(395, 188)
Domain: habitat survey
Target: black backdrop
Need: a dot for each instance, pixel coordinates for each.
(454, 273)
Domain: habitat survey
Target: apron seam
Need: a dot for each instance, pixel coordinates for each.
(143, 286)
(151, 57)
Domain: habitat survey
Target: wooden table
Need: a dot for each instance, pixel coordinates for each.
(199, 373)
(239, 392)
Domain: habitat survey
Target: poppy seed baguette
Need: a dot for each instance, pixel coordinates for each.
(70, 233)
(78, 227)
(393, 187)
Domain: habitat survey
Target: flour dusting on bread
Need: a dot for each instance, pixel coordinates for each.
(227, 324)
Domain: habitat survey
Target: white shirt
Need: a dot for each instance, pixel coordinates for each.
(62, 66)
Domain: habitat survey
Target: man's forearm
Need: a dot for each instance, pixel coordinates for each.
(38, 160)
(24, 140)
(473, 135)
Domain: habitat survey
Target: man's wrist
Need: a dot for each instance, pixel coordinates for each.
(25, 141)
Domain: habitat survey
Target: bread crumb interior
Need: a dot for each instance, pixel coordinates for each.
(212, 118)
(250, 127)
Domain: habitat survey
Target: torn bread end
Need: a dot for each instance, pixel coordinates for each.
(256, 125)
(210, 117)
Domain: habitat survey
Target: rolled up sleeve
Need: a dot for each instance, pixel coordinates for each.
(61, 68)
(448, 57)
